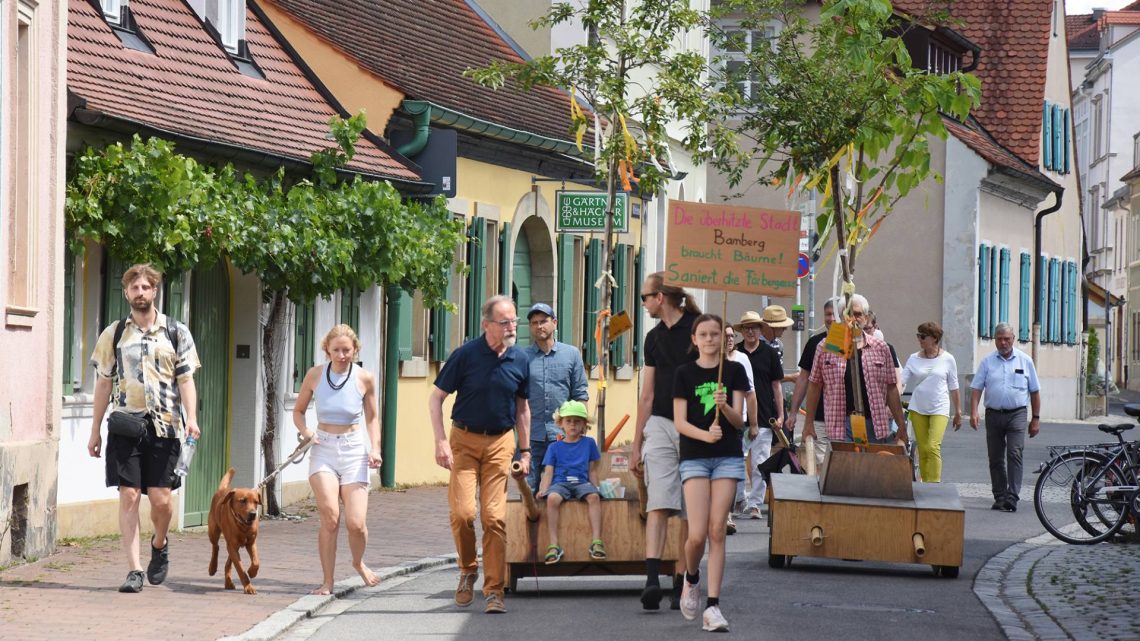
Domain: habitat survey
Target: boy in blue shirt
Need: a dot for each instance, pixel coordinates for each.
(571, 472)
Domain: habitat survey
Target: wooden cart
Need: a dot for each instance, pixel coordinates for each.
(903, 522)
(623, 531)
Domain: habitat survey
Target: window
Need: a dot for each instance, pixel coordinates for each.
(593, 300)
(113, 11)
(994, 288)
(1023, 303)
(231, 25)
(1055, 138)
(304, 341)
(620, 354)
(350, 308)
(446, 328)
(1074, 298)
(70, 375)
(738, 44)
(940, 60)
(1097, 127)
(1054, 300)
(1043, 297)
(21, 231)
(984, 284)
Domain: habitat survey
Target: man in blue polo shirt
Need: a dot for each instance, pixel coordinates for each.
(1010, 382)
(490, 376)
(556, 376)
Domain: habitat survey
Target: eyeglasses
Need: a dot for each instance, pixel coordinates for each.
(921, 336)
(506, 322)
(645, 297)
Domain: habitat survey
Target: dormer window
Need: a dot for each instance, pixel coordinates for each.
(118, 15)
(231, 25)
(113, 11)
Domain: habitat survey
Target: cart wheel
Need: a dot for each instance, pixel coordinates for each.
(778, 561)
(945, 571)
(512, 580)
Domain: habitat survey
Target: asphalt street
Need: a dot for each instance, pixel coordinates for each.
(811, 599)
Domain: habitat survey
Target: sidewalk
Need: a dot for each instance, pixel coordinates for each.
(73, 594)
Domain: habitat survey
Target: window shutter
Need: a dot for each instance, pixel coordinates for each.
(504, 261)
(405, 325)
(69, 379)
(350, 308)
(303, 341)
(995, 287)
(638, 278)
(1043, 298)
(1071, 328)
(115, 306)
(1047, 136)
(1024, 302)
(1003, 313)
(1068, 141)
(566, 307)
(593, 300)
(1054, 300)
(477, 278)
(173, 296)
(983, 290)
(1058, 137)
(621, 275)
(441, 326)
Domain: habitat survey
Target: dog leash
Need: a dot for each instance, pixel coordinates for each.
(296, 456)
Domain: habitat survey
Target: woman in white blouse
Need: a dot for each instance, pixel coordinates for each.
(932, 377)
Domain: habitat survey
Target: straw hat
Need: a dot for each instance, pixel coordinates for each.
(777, 316)
(748, 318)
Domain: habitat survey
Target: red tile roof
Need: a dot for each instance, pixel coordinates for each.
(189, 86)
(1119, 17)
(1081, 32)
(1014, 37)
(422, 47)
(977, 138)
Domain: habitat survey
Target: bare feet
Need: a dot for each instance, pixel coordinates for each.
(322, 591)
(370, 578)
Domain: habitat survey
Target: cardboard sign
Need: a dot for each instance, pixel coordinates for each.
(730, 248)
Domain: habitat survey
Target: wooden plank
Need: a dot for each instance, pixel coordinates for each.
(865, 474)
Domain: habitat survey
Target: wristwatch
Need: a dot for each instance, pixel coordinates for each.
(524, 450)
(1037, 417)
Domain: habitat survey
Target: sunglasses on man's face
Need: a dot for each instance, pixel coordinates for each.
(645, 297)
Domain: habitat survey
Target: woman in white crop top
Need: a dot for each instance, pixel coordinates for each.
(341, 456)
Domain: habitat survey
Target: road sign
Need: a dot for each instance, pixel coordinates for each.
(586, 211)
(803, 266)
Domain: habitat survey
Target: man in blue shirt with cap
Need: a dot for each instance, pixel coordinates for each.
(556, 376)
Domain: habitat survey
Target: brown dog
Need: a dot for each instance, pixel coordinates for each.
(233, 514)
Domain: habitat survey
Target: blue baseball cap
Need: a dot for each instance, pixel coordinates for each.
(542, 308)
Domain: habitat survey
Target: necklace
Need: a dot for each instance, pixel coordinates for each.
(328, 377)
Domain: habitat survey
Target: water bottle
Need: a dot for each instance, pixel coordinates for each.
(187, 455)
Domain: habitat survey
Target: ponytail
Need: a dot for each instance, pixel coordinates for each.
(677, 296)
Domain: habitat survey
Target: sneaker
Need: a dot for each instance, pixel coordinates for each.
(730, 527)
(754, 513)
(690, 600)
(713, 620)
(1009, 506)
(998, 505)
(651, 597)
(134, 582)
(159, 562)
(495, 603)
(465, 592)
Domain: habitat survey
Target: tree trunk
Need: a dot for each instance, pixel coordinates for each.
(276, 322)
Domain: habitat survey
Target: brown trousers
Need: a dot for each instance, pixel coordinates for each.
(481, 465)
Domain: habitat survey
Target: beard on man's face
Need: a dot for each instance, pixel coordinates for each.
(141, 304)
(509, 340)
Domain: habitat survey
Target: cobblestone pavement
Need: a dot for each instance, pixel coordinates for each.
(72, 594)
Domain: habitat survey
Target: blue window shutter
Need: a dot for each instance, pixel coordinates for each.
(1058, 137)
(1068, 142)
(1047, 135)
(1063, 296)
(504, 273)
(1054, 300)
(593, 300)
(1043, 298)
(983, 290)
(477, 278)
(1024, 302)
(566, 304)
(995, 287)
(621, 275)
(1003, 313)
(1071, 328)
(638, 278)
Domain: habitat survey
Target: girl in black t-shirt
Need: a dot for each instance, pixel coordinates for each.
(708, 418)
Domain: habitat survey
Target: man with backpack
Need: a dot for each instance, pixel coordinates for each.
(144, 368)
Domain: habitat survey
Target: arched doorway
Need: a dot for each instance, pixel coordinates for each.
(532, 259)
(209, 324)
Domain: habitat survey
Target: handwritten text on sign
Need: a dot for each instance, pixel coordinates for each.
(729, 248)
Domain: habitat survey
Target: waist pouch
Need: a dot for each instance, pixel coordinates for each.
(128, 425)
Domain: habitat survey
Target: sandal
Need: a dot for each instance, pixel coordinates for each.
(597, 550)
(553, 554)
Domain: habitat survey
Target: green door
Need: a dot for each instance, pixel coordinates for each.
(520, 274)
(209, 324)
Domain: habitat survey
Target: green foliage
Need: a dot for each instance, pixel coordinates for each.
(833, 98)
(306, 237)
(1093, 381)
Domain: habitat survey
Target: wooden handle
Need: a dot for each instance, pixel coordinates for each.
(919, 545)
(808, 456)
(611, 437)
(529, 504)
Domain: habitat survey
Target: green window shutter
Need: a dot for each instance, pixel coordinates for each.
(477, 278)
(1058, 138)
(69, 378)
(441, 326)
(303, 341)
(404, 323)
(504, 261)
(638, 279)
(1068, 142)
(115, 306)
(1025, 299)
(1047, 135)
(174, 295)
(1003, 309)
(983, 290)
(995, 286)
(621, 275)
(593, 299)
(565, 286)
(1054, 301)
(350, 308)
(1043, 298)
(1074, 277)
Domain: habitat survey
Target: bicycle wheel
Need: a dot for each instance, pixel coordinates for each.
(1071, 501)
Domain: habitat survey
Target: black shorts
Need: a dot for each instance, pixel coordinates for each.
(147, 462)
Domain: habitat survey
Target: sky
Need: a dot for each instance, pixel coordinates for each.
(1086, 6)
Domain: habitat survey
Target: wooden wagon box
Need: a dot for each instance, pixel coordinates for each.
(804, 522)
(623, 532)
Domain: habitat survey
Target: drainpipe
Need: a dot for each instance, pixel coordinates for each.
(1059, 192)
(420, 111)
(391, 385)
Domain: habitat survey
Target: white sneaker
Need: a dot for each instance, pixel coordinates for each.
(714, 621)
(690, 600)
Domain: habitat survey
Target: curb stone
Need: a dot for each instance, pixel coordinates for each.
(1002, 586)
(310, 605)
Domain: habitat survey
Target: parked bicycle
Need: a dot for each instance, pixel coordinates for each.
(1090, 493)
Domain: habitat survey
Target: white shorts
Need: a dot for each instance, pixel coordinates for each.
(345, 456)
